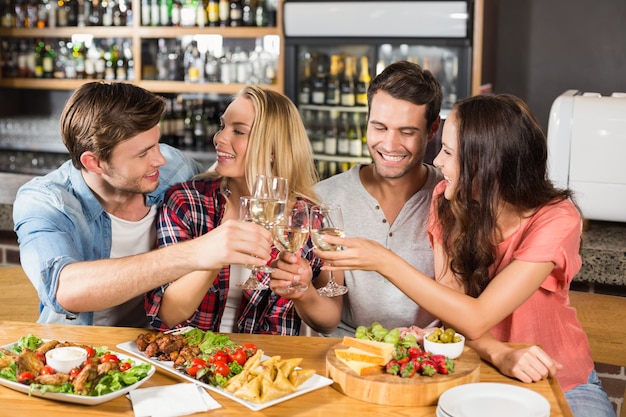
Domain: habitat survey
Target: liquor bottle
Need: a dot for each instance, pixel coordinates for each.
(61, 61)
(347, 83)
(211, 67)
(155, 13)
(193, 63)
(39, 51)
(95, 17)
(200, 138)
(247, 13)
(202, 19)
(188, 13)
(165, 12)
(363, 82)
(333, 87)
(354, 135)
(43, 14)
(146, 12)
(236, 13)
(261, 17)
(47, 61)
(177, 8)
(61, 14)
(224, 12)
(166, 122)
(107, 12)
(31, 14)
(343, 140)
(7, 20)
(162, 61)
(318, 86)
(78, 54)
(304, 89)
(188, 127)
(178, 121)
(213, 12)
(330, 134)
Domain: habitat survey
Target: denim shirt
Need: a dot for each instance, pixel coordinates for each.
(59, 221)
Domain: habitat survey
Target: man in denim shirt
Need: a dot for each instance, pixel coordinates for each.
(86, 230)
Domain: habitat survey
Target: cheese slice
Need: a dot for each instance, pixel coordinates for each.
(362, 368)
(382, 349)
(358, 355)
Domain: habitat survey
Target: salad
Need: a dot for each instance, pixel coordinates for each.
(103, 371)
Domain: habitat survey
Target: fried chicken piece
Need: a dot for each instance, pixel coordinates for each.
(54, 379)
(170, 343)
(145, 339)
(8, 359)
(105, 367)
(47, 346)
(29, 361)
(152, 350)
(86, 375)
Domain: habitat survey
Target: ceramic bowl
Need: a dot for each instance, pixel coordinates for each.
(451, 350)
(64, 359)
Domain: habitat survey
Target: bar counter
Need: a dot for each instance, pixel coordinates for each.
(323, 402)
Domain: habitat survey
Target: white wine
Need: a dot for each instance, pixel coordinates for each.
(291, 238)
(316, 236)
(267, 212)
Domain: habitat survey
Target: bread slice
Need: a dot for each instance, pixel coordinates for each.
(362, 368)
(382, 349)
(359, 355)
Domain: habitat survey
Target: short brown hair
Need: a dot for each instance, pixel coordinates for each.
(99, 115)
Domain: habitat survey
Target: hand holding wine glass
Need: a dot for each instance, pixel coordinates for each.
(327, 219)
(291, 234)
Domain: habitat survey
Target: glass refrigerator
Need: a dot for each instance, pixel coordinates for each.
(334, 48)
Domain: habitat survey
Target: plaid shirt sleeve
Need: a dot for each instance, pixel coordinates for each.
(189, 210)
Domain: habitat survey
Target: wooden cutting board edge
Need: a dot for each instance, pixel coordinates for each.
(386, 389)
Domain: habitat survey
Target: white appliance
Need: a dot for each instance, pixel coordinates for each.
(587, 151)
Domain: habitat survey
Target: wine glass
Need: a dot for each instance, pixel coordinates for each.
(290, 235)
(245, 214)
(266, 208)
(326, 219)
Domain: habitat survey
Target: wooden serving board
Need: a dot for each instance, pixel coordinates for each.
(387, 389)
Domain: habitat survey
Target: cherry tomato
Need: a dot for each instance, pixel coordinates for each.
(125, 366)
(91, 352)
(250, 348)
(25, 377)
(199, 361)
(221, 368)
(47, 370)
(74, 373)
(193, 370)
(239, 356)
(220, 356)
(109, 357)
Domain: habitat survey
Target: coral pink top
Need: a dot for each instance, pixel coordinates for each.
(546, 319)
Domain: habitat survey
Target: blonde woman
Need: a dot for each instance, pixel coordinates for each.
(261, 132)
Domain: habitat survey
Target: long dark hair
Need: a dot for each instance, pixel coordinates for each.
(502, 155)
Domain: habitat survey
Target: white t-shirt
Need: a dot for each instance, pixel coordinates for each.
(129, 238)
(238, 274)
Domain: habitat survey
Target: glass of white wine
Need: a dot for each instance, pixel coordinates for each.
(245, 214)
(267, 208)
(327, 219)
(291, 234)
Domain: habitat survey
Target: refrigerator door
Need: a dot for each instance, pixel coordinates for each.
(424, 19)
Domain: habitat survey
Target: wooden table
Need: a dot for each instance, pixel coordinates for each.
(323, 402)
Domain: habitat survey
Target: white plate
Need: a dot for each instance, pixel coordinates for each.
(315, 382)
(75, 398)
(488, 399)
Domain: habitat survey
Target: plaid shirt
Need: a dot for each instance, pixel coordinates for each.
(192, 209)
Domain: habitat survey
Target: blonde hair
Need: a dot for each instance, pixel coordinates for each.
(278, 144)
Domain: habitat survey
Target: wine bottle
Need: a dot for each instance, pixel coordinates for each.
(363, 82)
(343, 140)
(224, 12)
(213, 13)
(236, 13)
(347, 83)
(304, 93)
(330, 134)
(333, 83)
(354, 135)
(318, 87)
